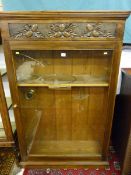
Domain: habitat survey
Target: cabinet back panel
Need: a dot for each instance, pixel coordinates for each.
(33, 66)
(75, 114)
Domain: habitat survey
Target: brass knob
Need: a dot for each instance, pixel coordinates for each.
(29, 94)
(15, 106)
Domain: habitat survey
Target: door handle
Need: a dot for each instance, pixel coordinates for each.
(29, 94)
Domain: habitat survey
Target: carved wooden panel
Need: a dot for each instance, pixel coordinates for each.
(61, 31)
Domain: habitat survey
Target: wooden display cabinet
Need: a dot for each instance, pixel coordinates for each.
(63, 69)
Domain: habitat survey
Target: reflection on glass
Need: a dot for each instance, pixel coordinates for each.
(61, 117)
(58, 79)
(32, 129)
(49, 67)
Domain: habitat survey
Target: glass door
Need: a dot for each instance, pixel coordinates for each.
(63, 100)
(52, 68)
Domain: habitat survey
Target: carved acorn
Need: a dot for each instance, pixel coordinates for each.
(34, 27)
(95, 33)
(29, 34)
(62, 27)
(89, 27)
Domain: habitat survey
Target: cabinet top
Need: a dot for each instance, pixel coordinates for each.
(65, 14)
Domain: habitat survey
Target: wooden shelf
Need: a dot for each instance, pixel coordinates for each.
(51, 86)
(66, 148)
(64, 85)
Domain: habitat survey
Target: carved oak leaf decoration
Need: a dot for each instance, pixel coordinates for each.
(96, 30)
(29, 31)
(62, 31)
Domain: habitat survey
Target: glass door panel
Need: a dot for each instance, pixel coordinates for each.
(63, 68)
(62, 94)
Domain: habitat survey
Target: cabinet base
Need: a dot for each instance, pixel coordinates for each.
(63, 164)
